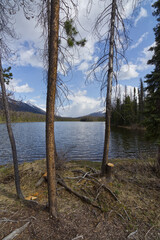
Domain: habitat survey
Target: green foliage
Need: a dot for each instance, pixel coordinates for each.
(23, 117)
(152, 111)
(7, 75)
(71, 33)
(131, 110)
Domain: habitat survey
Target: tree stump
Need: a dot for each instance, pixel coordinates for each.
(109, 170)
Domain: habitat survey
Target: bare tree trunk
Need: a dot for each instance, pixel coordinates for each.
(51, 91)
(109, 91)
(158, 158)
(49, 20)
(10, 133)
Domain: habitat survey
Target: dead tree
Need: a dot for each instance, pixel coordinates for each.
(7, 10)
(113, 41)
(10, 133)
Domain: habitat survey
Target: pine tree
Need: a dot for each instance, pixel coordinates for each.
(152, 120)
(141, 101)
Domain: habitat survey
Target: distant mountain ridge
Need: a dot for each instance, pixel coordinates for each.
(97, 114)
(19, 106)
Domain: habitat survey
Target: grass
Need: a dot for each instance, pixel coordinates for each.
(135, 183)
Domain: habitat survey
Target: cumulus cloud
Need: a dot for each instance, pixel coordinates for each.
(83, 66)
(131, 70)
(119, 91)
(140, 40)
(28, 55)
(145, 56)
(29, 33)
(128, 72)
(143, 13)
(15, 86)
(80, 105)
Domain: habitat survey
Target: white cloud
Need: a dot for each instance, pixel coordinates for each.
(139, 40)
(80, 105)
(15, 87)
(120, 91)
(146, 55)
(28, 55)
(30, 34)
(33, 101)
(131, 70)
(143, 13)
(128, 72)
(83, 66)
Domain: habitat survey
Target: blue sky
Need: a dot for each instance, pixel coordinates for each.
(29, 82)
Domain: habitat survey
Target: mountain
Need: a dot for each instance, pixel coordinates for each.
(19, 106)
(97, 114)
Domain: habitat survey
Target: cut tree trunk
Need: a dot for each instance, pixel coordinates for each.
(109, 169)
(109, 91)
(10, 133)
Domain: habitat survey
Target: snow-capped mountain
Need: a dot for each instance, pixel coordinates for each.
(20, 106)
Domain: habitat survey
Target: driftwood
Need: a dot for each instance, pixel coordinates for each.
(16, 232)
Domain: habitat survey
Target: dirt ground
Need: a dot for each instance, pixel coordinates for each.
(133, 213)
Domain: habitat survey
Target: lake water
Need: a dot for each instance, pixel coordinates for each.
(77, 140)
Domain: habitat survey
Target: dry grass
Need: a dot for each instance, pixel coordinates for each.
(135, 184)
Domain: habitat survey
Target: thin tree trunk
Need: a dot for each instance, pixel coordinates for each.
(158, 158)
(49, 21)
(10, 133)
(51, 91)
(109, 92)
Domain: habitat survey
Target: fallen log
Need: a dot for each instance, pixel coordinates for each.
(16, 232)
(83, 198)
(41, 180)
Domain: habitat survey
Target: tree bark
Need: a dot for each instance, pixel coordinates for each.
(51, 91)
(158, 158)
(109, 91)
(10, 133)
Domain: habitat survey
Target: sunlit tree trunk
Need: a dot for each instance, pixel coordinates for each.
(109, 91)
(51, 91)
(10, 133)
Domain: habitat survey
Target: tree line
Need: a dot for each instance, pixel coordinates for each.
(22, 117)
(129, 110)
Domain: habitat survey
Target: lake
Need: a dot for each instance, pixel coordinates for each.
(75, 140)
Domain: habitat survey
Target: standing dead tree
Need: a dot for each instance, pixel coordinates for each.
(7, 10)
(113, 42)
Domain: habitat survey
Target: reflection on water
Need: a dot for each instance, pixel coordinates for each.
(79, 140)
